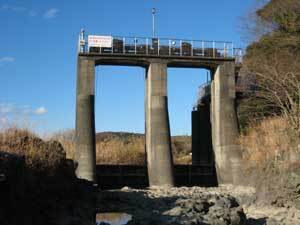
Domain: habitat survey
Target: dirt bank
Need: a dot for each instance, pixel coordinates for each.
(38, 184)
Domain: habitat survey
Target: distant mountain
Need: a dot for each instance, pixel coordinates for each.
(121, 135)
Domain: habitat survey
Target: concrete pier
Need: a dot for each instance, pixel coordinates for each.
(224, 124)
(158, 139)
(85, 152)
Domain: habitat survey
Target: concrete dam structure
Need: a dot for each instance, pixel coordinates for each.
(155, 55)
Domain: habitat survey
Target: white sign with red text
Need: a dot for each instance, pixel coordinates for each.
(100, 41)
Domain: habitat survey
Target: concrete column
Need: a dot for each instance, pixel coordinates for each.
(158, 140)
(85, 152)
(225, 133)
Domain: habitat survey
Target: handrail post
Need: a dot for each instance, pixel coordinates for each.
(180, 47)
(135, 45)
(241, 55)
(169, 47)
(225, 53)
(203, 54)
(158, 45)
(147, 46)
(192, 48)
(112, 46)
(214, 49)
(124, 50)
(81, 42)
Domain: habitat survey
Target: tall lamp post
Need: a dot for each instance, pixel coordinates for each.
(153, 22)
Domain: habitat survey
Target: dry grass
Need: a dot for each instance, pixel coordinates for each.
(67, 139)
(131, 150)
(39, 155)
(272, 160)
(124, 148)
(118, 150)
(182, 147)
(270, 143)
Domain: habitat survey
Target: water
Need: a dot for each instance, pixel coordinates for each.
(114, 218)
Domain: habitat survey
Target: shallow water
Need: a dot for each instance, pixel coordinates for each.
(113, 218)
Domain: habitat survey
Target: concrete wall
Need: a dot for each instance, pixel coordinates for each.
(158, 139)
(118, 176)
(224, 124)
(201, 136)
(85, 152)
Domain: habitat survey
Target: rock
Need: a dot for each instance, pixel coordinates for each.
(297, 203)
(2, 177)
(125, 188)
(237, 216)
(273, 222)
(228, 202)
(176, 211)
(103, 223)
(226, 211)
(202, 207)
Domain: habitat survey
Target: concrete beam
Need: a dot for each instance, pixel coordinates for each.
(158, 139)
(225, 133)
(85, 152)
(144, 60)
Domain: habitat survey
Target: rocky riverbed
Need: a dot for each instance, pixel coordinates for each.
(225, 205)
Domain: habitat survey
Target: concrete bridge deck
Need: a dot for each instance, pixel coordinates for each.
(145, 60)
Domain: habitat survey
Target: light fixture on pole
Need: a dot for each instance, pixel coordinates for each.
(153, 22)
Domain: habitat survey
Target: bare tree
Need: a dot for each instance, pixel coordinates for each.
(277, 82)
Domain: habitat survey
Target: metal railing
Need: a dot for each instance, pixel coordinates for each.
(238, 55)
(204, 92)
(162, 47)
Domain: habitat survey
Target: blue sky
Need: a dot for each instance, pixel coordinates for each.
(38, 58)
